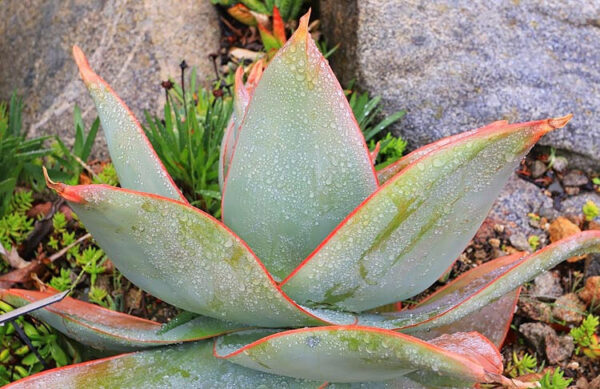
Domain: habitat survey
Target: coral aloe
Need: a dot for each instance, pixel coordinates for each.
(313, 239)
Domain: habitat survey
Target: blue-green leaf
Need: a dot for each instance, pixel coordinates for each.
(301, 163)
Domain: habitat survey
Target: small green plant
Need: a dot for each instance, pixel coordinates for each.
(15, 225)
(585, 337)
(590, 210)
(63, 281)
(18, 361)
(70, 163)
(521, 366)
(61, 236)
(189, 146)
(101, 297)
(391, 149)
(325, 49)
(19, 157)
(555, 380)
(367, 110)
(108, 176)
(534, 242)
(91, 261)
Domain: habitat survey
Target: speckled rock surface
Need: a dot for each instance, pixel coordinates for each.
(460, 64)
(132, 44)
(573, 205)
(517, 199)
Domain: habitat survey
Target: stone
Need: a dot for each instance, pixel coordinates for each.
(535, 334)
(562, 228)
(558, 348)
(538, 168)
(568, 308)
(556, 188)
(591, 291)
(519, 241)
(575, 178)
(592, 265)
(517, 199)
(133, 45)
(546, 342)
(549, 213)
(458, 65)
(560, 164)
(572, 190)
(582, 383)
(547, 286)
(535, 310)
(573, 205)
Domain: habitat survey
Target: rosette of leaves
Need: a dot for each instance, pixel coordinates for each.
(283, 291)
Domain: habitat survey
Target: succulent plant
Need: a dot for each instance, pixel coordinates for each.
(313, 240)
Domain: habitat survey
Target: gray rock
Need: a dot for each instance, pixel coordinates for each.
(547, 286)
(517, 199)
(538, 168)
(549, 213)
(559, 348)
(568, 308)
(556, 188)
(132, 44)
(455, 65)
(535, 334)
(546, 342)
(573, 205)
(592, 265)
(519, 241)
(575, 178)
(560, 164)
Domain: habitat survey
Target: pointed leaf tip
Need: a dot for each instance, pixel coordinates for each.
(61, 189)
(560, 122)
(137, 164)
(302, 30)
(85, 70)
(552, 124)
(324, 157)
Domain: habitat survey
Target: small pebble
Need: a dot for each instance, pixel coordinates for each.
(575, 178)
(520, 242)
(538, 168)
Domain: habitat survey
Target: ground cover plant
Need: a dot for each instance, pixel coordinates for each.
(349, 241)
(17, 154)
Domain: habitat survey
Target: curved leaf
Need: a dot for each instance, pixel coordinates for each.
(186, 257)
(472, 292)
(492, 321)
(104, 329)
(417, 223)
(355, 354)
(240, 102)
(391, 170)
(242, 95)
(191, 365)
(135, 161)
(519, 273)
(300, 164)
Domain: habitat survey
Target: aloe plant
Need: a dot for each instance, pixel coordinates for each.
(283, 292)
